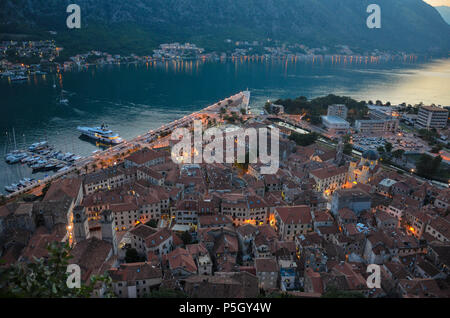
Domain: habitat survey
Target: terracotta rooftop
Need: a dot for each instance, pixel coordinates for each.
(143, 231)
(91, 255)
(214, 220)
(267, 265)
(346, 213)
(180, 258)
(158, 237)
(300, 214)
(132, 272)
(67, 186)
(328, 172)
(145, 155)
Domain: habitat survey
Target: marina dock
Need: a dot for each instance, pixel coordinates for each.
(139, 141)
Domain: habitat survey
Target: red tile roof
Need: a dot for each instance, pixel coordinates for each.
(267, 265)
(63, 186)
(144, 155)
(300, 214)
(180, 258)
(132, 272)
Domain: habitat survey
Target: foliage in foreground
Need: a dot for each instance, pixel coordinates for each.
(166, 293)
(47, 277)
(335, 293)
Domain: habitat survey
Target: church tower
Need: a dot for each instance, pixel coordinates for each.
(108, 231)
(80, 224)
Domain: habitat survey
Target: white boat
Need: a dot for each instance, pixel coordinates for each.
(12, 159)
(33, 160)
(26, 159)
(64, 101)
(59, 166)
(26, 181)
(67, 156)
(7, 74)
(15, 157)
(63, 169)
(50, 166)
(12, 188)
(39, 165)
(18, 78)
(101, 133)
(38, 145)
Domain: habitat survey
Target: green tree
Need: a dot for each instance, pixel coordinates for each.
(303, 139)
(132, 256)
(186, 237)
(348, 148)
(316, 107)
(166, 293)
(398, 153)
(428, 135)
(45, 188)
(333, 292)
(436, 148)
(47, 277)
(427, 165)
(152, 223)
(346, 138)
(388, 147)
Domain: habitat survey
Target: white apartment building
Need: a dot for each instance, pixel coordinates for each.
(373, 126)
(432, 117)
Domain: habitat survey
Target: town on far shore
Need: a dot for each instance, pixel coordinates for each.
(358, 183)
(19, 60)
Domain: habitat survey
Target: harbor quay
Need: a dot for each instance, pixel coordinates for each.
(157, 137)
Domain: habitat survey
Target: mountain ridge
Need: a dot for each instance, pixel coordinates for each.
(444, 11)
(406, 25)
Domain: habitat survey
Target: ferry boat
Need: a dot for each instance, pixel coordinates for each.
(101, 133)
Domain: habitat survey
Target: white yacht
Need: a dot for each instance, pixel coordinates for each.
(38, 146)
(101, 133)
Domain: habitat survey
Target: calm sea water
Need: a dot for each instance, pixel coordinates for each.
(132, 99)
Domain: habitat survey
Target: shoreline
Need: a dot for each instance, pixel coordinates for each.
(333, 59)
(125, 146)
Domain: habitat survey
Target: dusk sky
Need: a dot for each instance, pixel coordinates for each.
(438, 2)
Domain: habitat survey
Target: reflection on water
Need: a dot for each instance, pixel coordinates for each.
(134, 98)
(428, 84)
